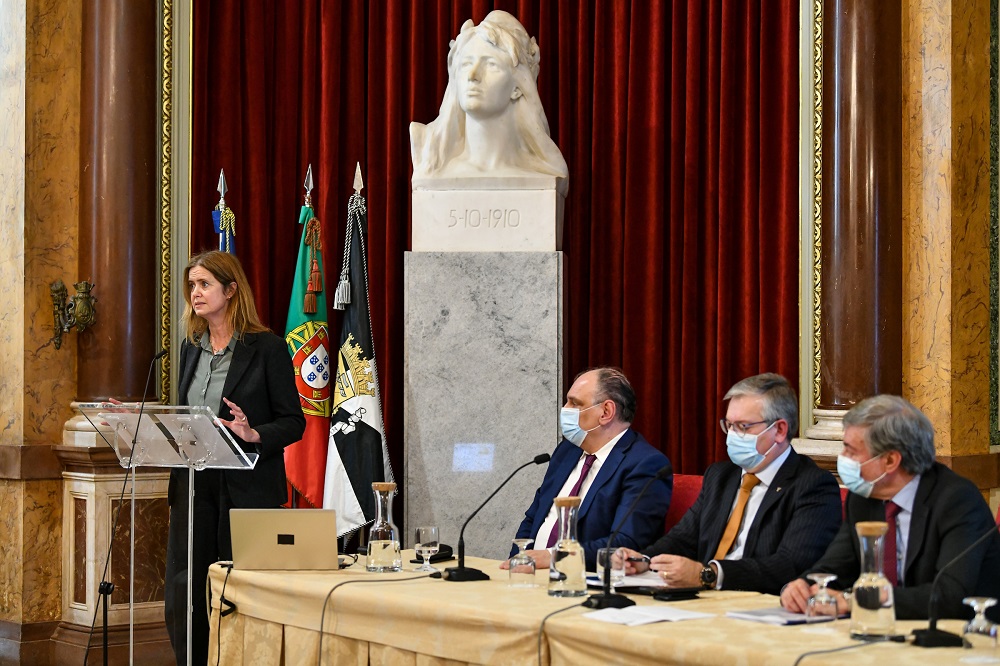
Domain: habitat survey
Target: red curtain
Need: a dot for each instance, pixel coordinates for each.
(679, 124)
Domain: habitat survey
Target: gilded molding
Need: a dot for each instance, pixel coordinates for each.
(166, 211)
(817, 212)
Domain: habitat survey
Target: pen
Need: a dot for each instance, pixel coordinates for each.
(643, 558)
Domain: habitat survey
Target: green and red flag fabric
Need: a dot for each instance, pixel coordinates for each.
(357, 454)
(308, 339)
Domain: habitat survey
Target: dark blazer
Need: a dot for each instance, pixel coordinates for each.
(262, 382)
(631, 463)
(796, 521)
(949, 514)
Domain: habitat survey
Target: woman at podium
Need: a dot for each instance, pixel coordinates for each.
(233, 364)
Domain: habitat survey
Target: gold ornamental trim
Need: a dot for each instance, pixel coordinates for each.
(817, 185)
(166, 210)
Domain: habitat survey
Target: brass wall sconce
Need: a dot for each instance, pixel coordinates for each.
(67, 312)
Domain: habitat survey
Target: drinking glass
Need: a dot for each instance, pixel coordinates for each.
(427, 545)
(522, 566)
(979, 633)
(606, 557)
(822, 605)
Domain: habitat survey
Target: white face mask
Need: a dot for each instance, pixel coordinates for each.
(742, 449)
(569, 423)
(850, 473)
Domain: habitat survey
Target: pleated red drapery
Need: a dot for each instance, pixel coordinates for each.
(679, 124)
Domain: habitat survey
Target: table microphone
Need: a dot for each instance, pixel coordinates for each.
(932, 636)
(607, 598)
(461, 573)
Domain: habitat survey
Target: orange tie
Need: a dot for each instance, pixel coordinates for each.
(733, 526)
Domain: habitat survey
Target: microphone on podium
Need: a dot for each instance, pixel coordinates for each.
(461, 573)
(607, 598)
(932, 636)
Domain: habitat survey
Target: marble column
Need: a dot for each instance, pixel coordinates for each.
(946, 229)
(119, 195)
(860, 326)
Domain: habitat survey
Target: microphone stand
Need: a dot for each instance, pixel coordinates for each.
(932, 637)
(462, 573)
(106, 587)
(607, 598)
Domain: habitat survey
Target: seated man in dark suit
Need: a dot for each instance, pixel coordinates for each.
(762, 516)
(933, 514)
(606, 463)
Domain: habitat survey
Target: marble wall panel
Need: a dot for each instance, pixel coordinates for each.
(12, 81)
(483, 375)
(11, 549)
(946, 219)
(42, 550)
(51, 209)
(970, 229)
(152, 520)
(927, 208)
(78, 557)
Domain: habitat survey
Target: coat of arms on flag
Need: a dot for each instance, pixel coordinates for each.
(312, 367)
(308, 340)
(357, 454)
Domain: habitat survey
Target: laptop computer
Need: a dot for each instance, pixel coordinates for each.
(284, 539)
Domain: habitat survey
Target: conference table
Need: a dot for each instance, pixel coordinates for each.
(409, 618)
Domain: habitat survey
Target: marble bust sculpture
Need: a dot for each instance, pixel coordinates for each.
(491, 122)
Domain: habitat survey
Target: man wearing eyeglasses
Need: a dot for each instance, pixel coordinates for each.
(765, 513)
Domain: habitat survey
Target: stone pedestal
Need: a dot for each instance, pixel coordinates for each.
(92, 485)
(483, 387)
(512, 214)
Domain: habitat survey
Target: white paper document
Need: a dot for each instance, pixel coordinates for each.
(633, 616)
(647, 578)
(776, 616)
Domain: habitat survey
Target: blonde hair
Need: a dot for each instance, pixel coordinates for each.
(241, 313)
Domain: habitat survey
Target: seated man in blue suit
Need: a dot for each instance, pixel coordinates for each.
(934, 514)
(606, 463)
(762, 516)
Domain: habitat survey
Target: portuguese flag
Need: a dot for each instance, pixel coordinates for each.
(309, 344)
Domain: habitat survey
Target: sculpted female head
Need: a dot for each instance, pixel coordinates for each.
(492, 69)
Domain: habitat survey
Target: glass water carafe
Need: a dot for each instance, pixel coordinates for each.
(873, 613)
(383, 538)
(567, 573)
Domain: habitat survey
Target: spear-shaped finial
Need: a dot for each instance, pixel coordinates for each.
(308, 184)
(222, 189)
(359, 184)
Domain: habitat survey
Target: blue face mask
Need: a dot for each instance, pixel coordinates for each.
(850, 473)
(742, 449)
(569, 423)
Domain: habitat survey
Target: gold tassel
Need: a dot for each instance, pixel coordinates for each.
(309, 303)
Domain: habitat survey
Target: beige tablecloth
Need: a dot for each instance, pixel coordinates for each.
(428, 621)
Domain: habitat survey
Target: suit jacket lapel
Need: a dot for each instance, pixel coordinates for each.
(242, 355)
(779, 488)
(608, 469)
(730, 486)
(918, 519)
(189, 361)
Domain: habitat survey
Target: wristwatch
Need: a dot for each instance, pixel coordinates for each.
(708, 577)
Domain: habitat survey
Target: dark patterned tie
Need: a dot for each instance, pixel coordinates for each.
(891, 563)
(587, 464)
